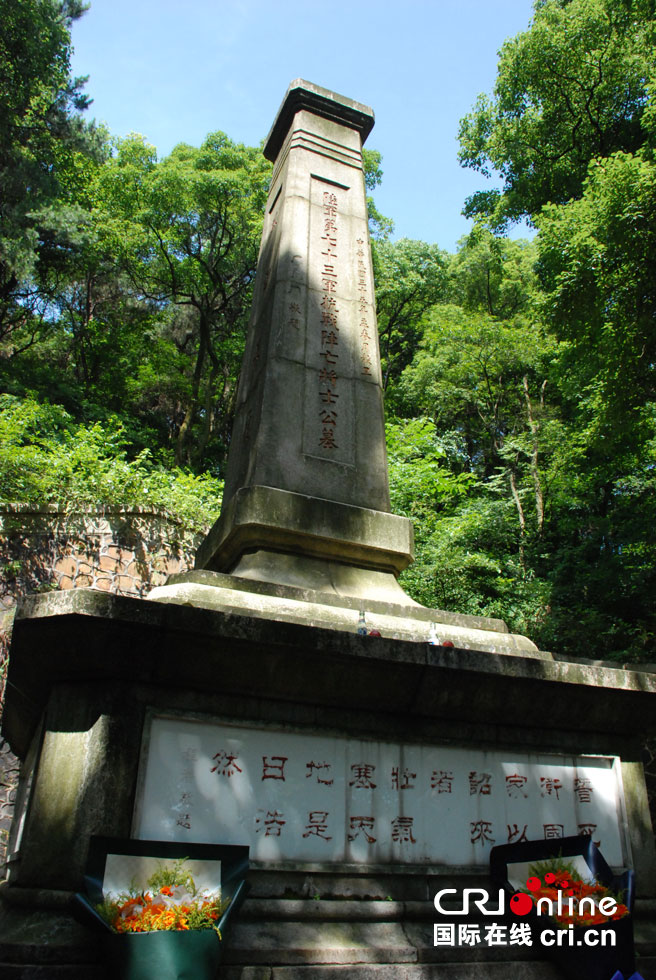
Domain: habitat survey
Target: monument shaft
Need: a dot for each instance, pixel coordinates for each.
(307, 468)
(310, 416)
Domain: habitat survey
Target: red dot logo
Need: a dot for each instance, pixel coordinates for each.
(533, 884)
(521, 904)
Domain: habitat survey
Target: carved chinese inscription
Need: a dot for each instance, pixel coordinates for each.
(329, 335)
(291, 795)
(364, 312)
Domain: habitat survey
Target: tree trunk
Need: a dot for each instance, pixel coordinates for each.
(181, 454)
(521, 517)
(535, 473)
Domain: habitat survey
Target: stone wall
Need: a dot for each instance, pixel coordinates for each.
(123, 551)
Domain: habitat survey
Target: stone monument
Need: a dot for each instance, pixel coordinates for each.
(238, 704)
(306, 503)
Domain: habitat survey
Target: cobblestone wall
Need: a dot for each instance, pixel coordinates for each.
(120, 551)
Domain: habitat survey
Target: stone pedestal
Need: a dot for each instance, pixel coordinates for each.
(91, 674)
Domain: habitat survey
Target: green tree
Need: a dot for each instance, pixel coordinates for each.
(187, 230)
(380, 227)
(42, 137)
(46, 457)
(597, 264)
(482, 382)
(571, 88)
(480, 378)
(494, 275)
(571, 131)
(410, 277)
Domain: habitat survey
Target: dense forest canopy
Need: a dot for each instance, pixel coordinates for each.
(519, 376)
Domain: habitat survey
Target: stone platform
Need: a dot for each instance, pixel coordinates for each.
(88, 668)
(341, 592)
(369, 924)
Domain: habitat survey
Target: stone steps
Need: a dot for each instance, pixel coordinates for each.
(349, 926)
(366, 927)
(397, 971)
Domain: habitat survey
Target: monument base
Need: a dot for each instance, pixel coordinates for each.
(294, 558)
(264, 584)
(278, 520)
(102, 690)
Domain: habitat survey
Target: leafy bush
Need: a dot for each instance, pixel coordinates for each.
(46, 458)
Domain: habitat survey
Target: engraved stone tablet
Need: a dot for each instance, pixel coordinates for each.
(292, 796)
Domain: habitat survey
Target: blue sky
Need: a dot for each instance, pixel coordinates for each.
(175, 72)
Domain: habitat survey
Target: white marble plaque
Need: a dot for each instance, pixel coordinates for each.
(292, 796)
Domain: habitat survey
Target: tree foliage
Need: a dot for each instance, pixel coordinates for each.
(43, 148)
(410, 277)
(570, 89)
(45, 457)
(519, 375)
(187, 230)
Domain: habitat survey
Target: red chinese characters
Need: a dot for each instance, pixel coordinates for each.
(365, 334)
(225, 764)
(480, 783)
(362, 773)
(583, 789)
(270, 824)
(403, 778)
(273, 767)
(442, 780)
(402, 830)
(550, 786)
(481, 832)
(361, 826)
(329, 336)
(515, 835)
(516, 786)
(321, 770)
(317, 825)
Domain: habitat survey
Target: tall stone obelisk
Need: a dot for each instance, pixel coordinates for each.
(307, 469)
(305, 532)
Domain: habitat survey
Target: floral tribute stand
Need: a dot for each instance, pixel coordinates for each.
(512, 865)
(117, 866)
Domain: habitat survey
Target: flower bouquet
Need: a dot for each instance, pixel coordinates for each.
(579, 911)
(163, 913)
(572, 900)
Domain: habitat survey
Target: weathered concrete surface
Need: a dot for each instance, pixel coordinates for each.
(265, 517)
(306, 500)
(307, 469)
(117, 657)
(401, 971)
(142, 642)
(91, 665)
(87, 668)
(386, 606)
(304, 95)
(304, 354)
(321, 938)
(318, 938)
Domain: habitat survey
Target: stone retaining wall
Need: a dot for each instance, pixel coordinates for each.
(122, 551)
(126, 551)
